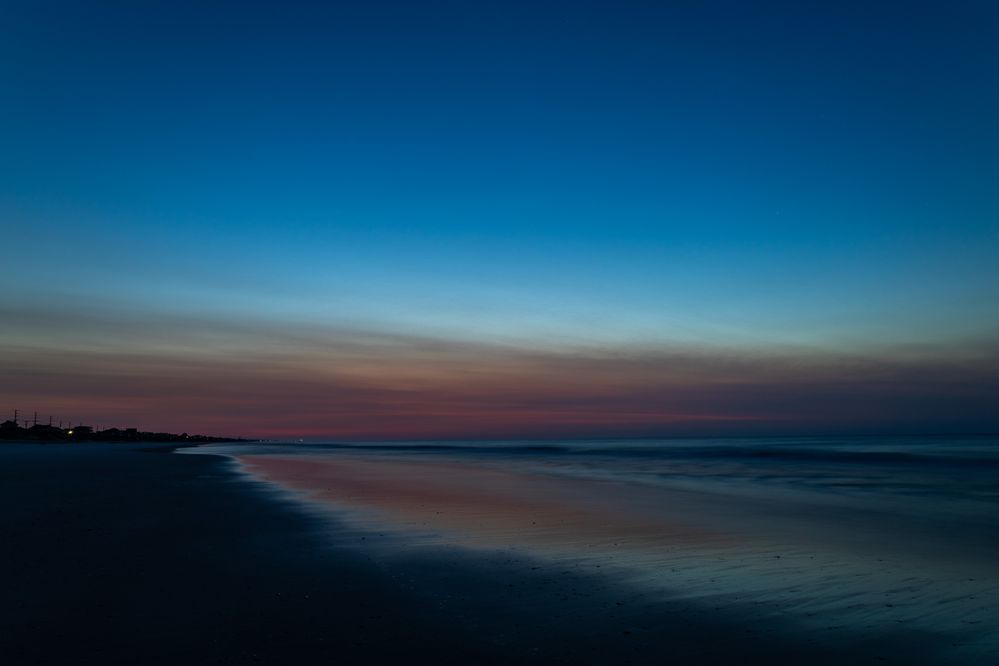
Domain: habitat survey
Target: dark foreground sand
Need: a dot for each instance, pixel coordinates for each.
(113, 554)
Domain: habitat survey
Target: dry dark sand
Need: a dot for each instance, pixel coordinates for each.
(130, 554)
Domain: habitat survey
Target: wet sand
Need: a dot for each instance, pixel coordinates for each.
(115, 554)
(751, 562)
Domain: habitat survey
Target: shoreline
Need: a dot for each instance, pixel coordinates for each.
(492, 514)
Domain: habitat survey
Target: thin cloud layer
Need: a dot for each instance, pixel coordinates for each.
(259, 379)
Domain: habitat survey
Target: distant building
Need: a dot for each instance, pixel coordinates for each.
(42, 429)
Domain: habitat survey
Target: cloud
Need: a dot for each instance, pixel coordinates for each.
(261, 378)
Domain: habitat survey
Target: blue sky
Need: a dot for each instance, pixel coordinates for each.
(743, 175)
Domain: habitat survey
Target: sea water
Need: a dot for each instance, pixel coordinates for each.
(874, 534)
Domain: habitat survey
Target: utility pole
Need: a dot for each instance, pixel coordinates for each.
(35, 420)
(15, 416)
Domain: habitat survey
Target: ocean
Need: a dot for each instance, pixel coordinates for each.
(836, 538)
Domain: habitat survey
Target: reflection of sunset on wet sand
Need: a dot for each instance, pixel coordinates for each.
(478, 505)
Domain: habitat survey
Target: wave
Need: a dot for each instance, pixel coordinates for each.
(851, 453)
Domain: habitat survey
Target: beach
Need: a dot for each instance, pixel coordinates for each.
(499, 333)
(133, 553)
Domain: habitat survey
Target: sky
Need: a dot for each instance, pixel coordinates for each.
(378, 219)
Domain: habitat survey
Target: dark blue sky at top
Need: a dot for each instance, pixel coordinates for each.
(641, 171)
